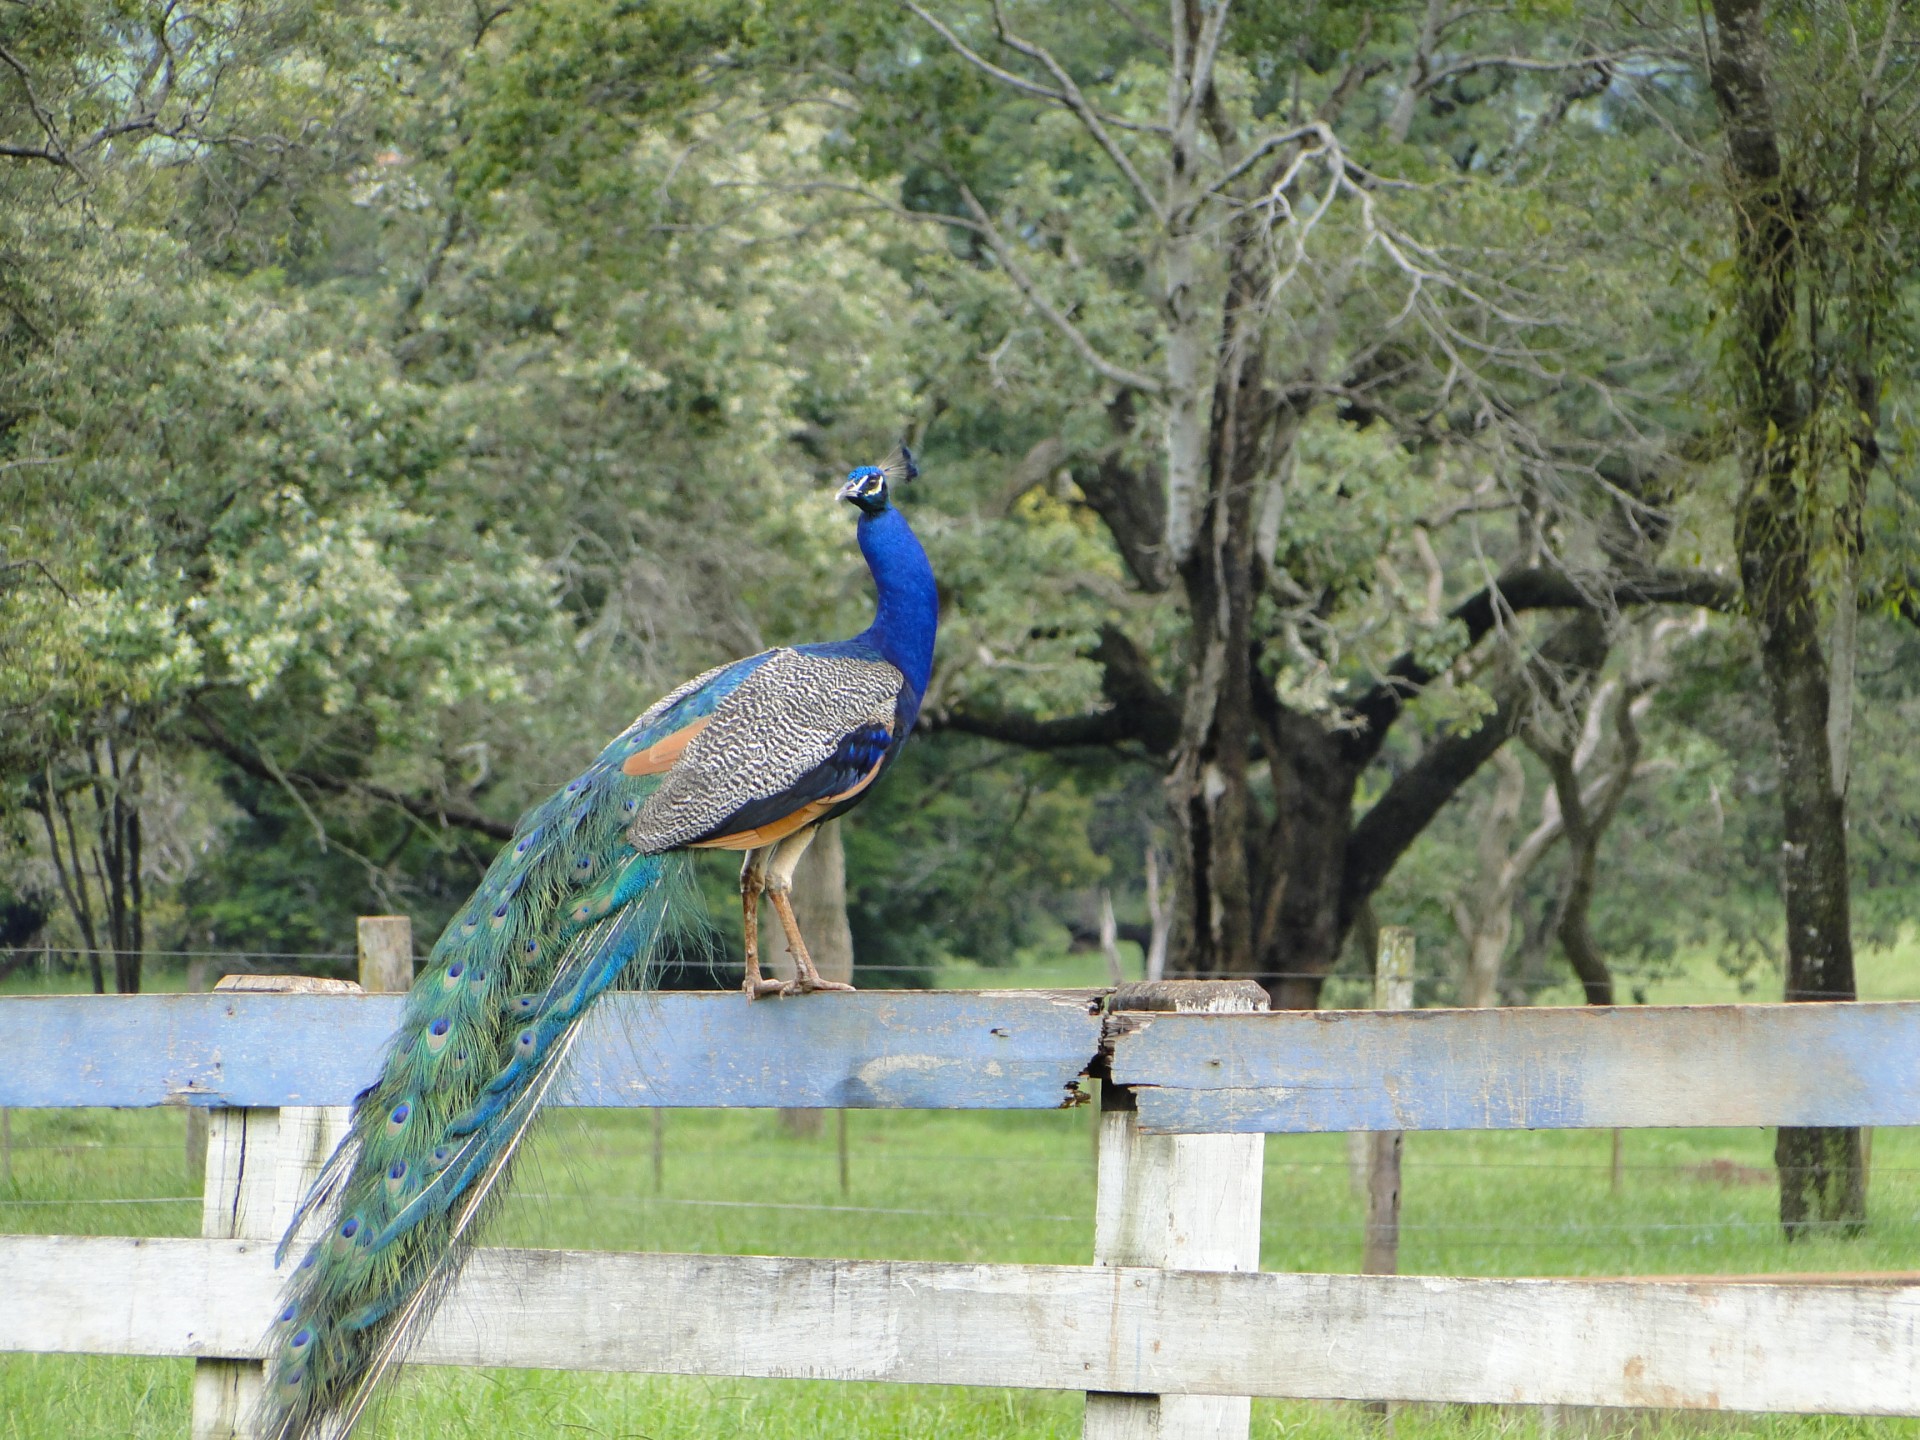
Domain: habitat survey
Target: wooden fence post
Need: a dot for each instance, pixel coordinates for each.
(1392, 990)
(1186, 1202)
(259, 1164)
(1380, 1248)
(386, 953)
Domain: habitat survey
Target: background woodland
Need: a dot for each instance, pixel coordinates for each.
(1434, 464)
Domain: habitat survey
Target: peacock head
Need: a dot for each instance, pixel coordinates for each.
(867, 487)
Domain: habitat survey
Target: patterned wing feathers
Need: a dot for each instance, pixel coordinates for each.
(784, 722)
(754, 838)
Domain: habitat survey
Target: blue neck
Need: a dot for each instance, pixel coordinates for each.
(908, 612)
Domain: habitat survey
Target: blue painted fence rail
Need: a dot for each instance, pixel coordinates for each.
(874, 1049)
(1287, 1071)
(1532, 1068)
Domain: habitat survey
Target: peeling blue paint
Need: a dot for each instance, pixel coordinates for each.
(871, 1049)
(1561, 1068)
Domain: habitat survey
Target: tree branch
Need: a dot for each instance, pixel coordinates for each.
(1521, 590)
(985, 66)
(1075, 101)
(8, 567)
(1141, 28)
(1132, 505)
(1471, 65)
(1127, 681)
(1103, 728)
(1024, 283)
(34, 152)
(439, 812)
(54, 152)
(1268, 145)
(1020, 82)
(1381, 836)
(1138, 710)
(1201, 92)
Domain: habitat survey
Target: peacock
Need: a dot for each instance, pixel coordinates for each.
(752, 756)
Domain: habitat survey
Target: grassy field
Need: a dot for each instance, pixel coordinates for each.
(1012, 1187)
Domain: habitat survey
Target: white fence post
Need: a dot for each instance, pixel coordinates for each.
(1184, 1202)
(259, 1164)
(1392, 990)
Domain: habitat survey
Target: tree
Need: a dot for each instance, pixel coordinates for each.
(352, 427)
(1821, 201)
(1207, 288)
(222, 528)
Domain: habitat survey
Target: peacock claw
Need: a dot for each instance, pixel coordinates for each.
(805, 986)
(758, 987)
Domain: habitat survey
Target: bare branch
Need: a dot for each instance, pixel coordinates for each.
(981, 63)
(53, 152)
(1140, 27)
(440, 812)
(1075, 101)
(1475, 63)
(1020, 82)
(1119, 374)
(1270, 144)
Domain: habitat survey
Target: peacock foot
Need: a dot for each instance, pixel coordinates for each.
(807, 984)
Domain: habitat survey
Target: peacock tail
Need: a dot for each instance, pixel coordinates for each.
(565, 909)
(750, 757)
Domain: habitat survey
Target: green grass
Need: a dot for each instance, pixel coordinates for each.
(1003, 1187)
(962, 1186)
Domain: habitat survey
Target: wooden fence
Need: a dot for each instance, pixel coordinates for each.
(1170, 1328)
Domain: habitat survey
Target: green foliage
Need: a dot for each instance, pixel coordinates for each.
(402, 395)
(964, 856)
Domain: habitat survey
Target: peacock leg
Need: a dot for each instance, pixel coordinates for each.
(753, 880)
(780, 891)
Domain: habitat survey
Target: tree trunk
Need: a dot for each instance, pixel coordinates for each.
(1160, 915)
(1821, 1176)
(1212, 808)
(1586, 818)
(1484, 915)
(1302, 859)
(1822, 1179)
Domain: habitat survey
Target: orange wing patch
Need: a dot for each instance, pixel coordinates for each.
(664, 753)
(779, 829)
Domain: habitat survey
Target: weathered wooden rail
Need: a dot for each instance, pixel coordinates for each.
(1171, 1327)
